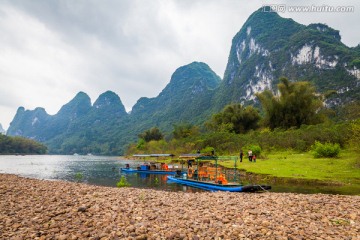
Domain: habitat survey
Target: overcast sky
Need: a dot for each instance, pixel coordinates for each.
(52, 49)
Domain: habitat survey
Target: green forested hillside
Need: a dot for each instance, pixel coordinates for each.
(20, 145)
(185, 99)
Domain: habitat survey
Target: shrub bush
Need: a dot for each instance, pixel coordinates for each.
(256, 149)
(300, 145)
(355, 134)
(78, 177)
(325, 150)
(123, 182)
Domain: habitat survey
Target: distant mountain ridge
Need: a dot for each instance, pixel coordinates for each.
(105, 127)
(266, 48)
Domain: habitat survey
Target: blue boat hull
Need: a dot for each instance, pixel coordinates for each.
(217, 187)
(131, 170)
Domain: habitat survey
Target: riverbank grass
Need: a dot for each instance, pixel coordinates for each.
(289, 164)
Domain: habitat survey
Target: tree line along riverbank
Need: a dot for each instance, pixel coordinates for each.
(20, 145)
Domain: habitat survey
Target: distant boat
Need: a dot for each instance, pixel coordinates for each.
(152, 167)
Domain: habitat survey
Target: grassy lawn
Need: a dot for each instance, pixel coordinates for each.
(288, 164)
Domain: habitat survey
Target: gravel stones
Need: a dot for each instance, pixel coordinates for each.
(36, 209)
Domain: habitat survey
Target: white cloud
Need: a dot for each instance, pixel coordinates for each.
(36, 67)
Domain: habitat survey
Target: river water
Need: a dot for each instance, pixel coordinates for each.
(104, 171)
(96, 170)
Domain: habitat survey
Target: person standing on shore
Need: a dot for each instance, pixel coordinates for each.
(250, 154)
(241, 155)
(254, 158)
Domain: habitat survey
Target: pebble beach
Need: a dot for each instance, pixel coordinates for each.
(41, 209)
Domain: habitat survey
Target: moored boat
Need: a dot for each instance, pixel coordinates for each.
(219, 187)
(209, 176)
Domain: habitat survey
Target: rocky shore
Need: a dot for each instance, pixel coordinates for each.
(37, 209)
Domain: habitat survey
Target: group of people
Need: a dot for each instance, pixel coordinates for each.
(251, 156)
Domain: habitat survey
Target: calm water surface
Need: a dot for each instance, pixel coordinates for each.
(104, 171)
(96, 170)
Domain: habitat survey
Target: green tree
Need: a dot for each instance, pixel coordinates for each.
(355, 63)
(151, 134)
(296, 104)
(235, 118)
(184, 130)
(355, 134)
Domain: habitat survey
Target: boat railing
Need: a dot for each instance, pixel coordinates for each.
(216, 173)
